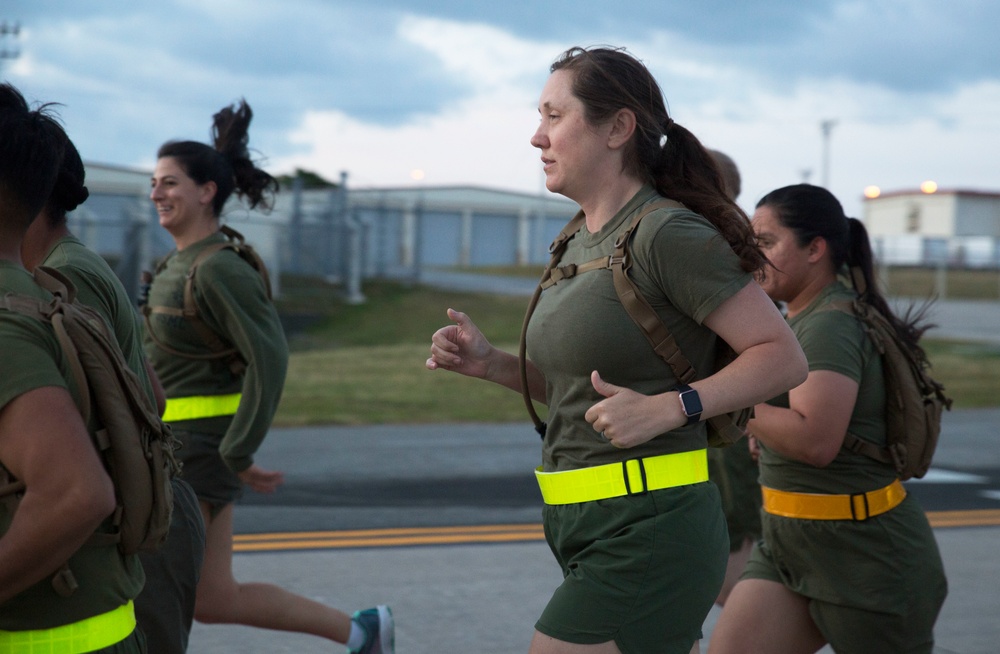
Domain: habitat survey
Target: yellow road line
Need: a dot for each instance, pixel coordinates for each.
(972, 518)
(409, 536)
(388, 537)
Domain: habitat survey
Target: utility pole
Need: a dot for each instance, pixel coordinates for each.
(826, 127)
(11, 31)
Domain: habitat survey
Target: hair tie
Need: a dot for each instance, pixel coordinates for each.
(667, 124)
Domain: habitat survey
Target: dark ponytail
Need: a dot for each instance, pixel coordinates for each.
(661, 153)
(812, 211)
(228, 163)
(69, 191)
(687, 172)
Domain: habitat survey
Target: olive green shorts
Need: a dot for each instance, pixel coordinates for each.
(212, 480)
(642, 571)
(735, 473)
(873, 586)
(134, 644)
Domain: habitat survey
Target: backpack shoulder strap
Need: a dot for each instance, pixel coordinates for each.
(851, 442)
(638, 307)
(555, 250)
(249, 254)
(635, 304)
(63, 291)
(219, 348)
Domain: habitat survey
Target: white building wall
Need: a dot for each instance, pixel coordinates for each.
(977, 216)
(937, 215)
(897, 215)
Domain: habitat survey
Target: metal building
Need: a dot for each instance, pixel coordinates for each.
(954, 227)
(339, 233)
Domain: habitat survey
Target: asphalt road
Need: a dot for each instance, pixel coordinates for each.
(441, 521)
(481, 474)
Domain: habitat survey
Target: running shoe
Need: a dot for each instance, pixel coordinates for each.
(380, 631)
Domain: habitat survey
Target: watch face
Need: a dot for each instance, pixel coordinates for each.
(691, 402)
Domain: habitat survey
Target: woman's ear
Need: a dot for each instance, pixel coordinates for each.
(208, 191)
(622, 128)
(817, 249)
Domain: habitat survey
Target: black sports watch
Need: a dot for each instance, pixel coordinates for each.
(690, 403)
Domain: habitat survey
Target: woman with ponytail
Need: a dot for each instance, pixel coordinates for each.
(221, 408)
(847, 556)
(642, 566)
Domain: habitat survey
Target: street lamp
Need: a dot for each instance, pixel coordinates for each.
(14, 30)
(826, 127)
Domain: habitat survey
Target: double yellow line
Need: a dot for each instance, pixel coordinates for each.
(387, 537)
(976, 518)
(409, 536)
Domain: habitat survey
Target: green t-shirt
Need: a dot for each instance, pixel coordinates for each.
(32, 359)
(877, 565)
(685, 269)
(233, 302)
(98, 287)
(834, 340)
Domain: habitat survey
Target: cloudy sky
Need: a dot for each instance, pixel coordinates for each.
(383, 88)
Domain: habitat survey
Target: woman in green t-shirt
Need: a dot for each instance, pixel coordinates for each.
(630, 514)
(223, 373)
(861, 576)
(64, 584)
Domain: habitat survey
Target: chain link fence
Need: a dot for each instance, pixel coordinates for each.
(348, 236)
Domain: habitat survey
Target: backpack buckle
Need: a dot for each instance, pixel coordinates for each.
(623, 261)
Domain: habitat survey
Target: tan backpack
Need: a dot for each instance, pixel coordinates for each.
(724, 429)
(914, 401)
(137, 448)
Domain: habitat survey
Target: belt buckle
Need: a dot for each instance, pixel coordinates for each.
(642, 474)
(854, 513)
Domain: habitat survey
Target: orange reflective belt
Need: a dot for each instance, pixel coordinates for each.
(632, 477)
(814, 506)
(86, 635)
(200, 406)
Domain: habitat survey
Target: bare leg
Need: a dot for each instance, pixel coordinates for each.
(734, 568)
(764, 616)
(542, 644)
(221, 599)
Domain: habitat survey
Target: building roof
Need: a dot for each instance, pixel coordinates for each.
(124, 180)
(917, 191)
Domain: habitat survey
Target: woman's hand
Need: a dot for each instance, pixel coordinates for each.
(626, 418)
(260, 480)
(754, 446)
(461, 348)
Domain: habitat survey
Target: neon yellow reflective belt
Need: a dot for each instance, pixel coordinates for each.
(631, 477)
(86, 635)
(201, 406)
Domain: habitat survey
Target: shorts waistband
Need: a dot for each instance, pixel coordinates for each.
(631, 477)
(200, 406)
(814, 506)
(86, 635)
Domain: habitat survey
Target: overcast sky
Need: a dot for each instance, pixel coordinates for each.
(381, 89)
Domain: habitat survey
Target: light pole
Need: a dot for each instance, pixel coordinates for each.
(13, 30)
(826, 126)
